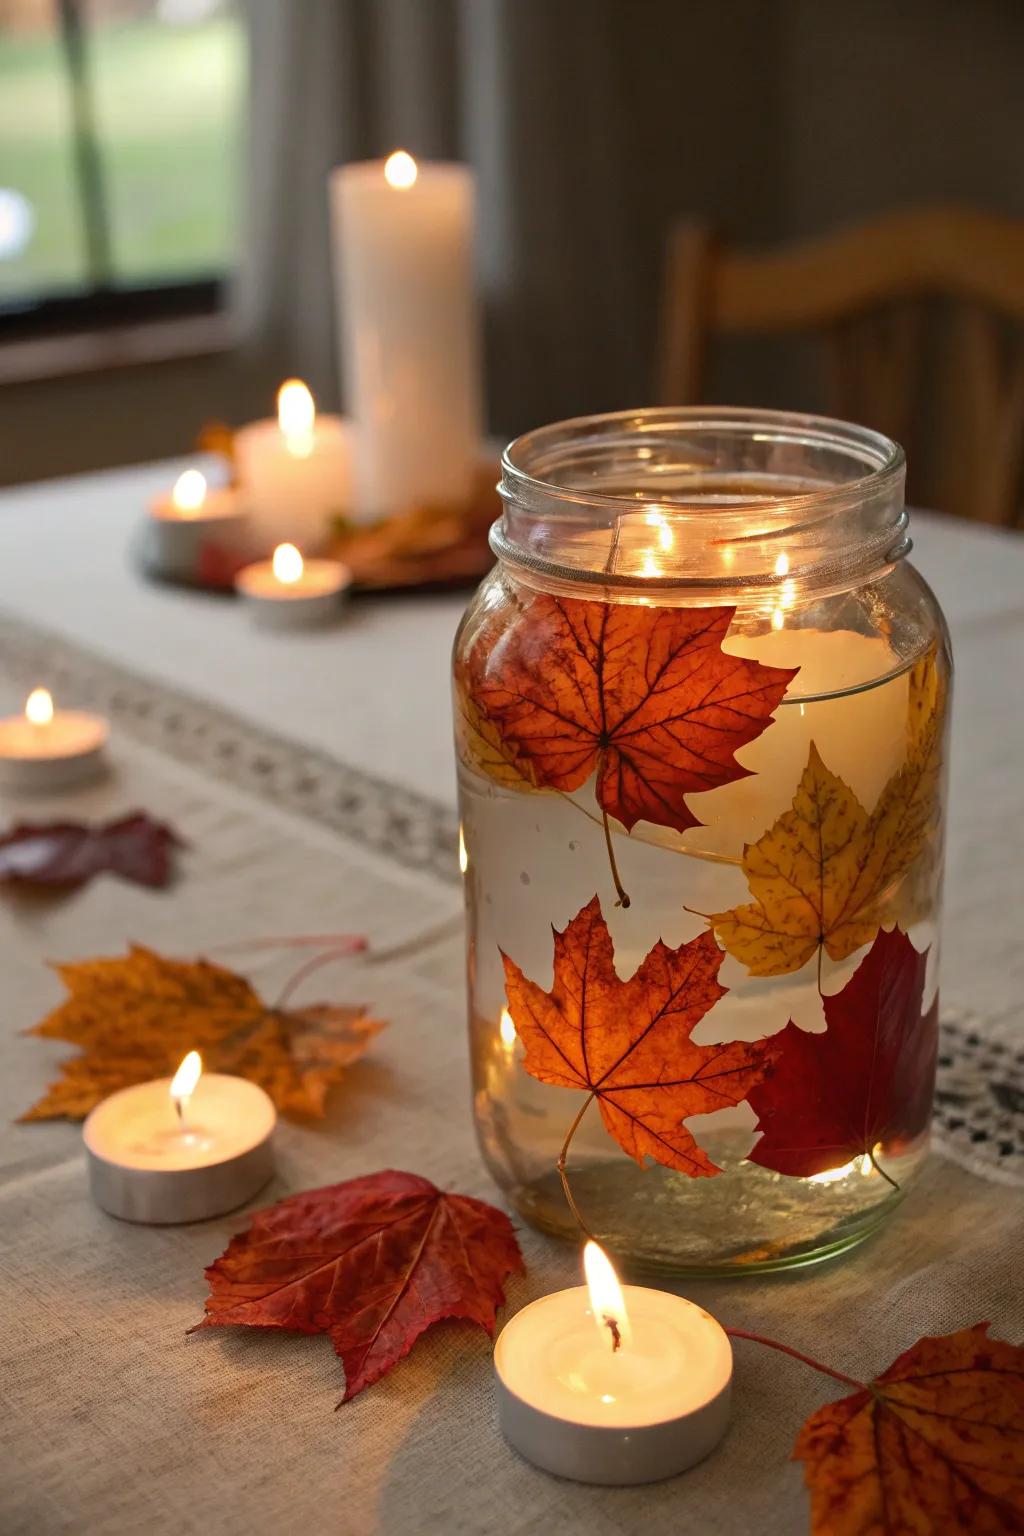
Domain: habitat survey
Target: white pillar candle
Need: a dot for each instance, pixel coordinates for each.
(294, 472)
(46, 749)
(180, 1149)
(290, 592)
(610, 1384)
(410, 355)
(191, 515)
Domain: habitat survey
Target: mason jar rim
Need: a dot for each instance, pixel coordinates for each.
(806, 430)
(833, 506)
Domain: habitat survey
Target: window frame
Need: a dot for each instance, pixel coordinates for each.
(101, 306)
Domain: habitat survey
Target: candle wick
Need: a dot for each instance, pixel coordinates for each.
(179, 1106)
(613, 1328)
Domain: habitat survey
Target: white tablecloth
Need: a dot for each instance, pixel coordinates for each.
(269, 753)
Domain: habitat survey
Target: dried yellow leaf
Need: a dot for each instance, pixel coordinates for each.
(480, 745)
(135, 1016)
(825, 876)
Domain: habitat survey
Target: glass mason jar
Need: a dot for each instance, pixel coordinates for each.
(701, 714)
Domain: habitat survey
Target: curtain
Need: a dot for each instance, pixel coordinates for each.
(530, 92)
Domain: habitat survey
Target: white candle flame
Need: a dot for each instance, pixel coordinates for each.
(189, 491)
(287, 564)
(507, 1031)
(400, 170)
(39, 707)
(463, 855)
(606, 1299)
(782, 565)
(184, 1081)
(296, 417)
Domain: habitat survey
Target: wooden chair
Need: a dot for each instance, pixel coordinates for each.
(867, 293)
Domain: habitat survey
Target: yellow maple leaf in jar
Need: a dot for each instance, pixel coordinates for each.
(828, 874)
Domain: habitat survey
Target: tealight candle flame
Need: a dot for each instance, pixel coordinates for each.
(606, 1299)
(782, 565)
(39, 707)
(189, 491)
(649, 565)
(507, 1031)
(463, 855)
(400, 170)
(287, 564)
(296, 417)
(183, 1083)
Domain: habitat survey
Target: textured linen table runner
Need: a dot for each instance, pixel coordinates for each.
(114, 1420)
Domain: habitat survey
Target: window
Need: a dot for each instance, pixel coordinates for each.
(120, 150)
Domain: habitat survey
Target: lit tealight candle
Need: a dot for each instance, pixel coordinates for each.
(294, 471)
(193, 514)
(180, 1149)
(290, 591)
(610, 1384)
(47, 749)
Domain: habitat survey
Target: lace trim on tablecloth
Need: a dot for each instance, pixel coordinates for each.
(403, 826)
(979, 1098)
(979, 1106)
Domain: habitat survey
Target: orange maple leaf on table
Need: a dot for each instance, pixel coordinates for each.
(135, 1017)
(643, 696)
(826, 875)
(933, 1445)
(627, 1043)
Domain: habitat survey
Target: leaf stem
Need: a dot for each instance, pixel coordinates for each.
(787, 1349)
(623, 900)
(340, 943)
(876, 1165)
(307, 969)
(562, 1157)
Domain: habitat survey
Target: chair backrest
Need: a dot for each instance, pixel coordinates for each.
(870, 294)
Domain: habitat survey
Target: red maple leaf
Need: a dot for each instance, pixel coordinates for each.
(643, 695)
(217, 565)
(372, 1263)
(933, 1445)
(68, 853)
(627, 1043)
(868, 1078)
